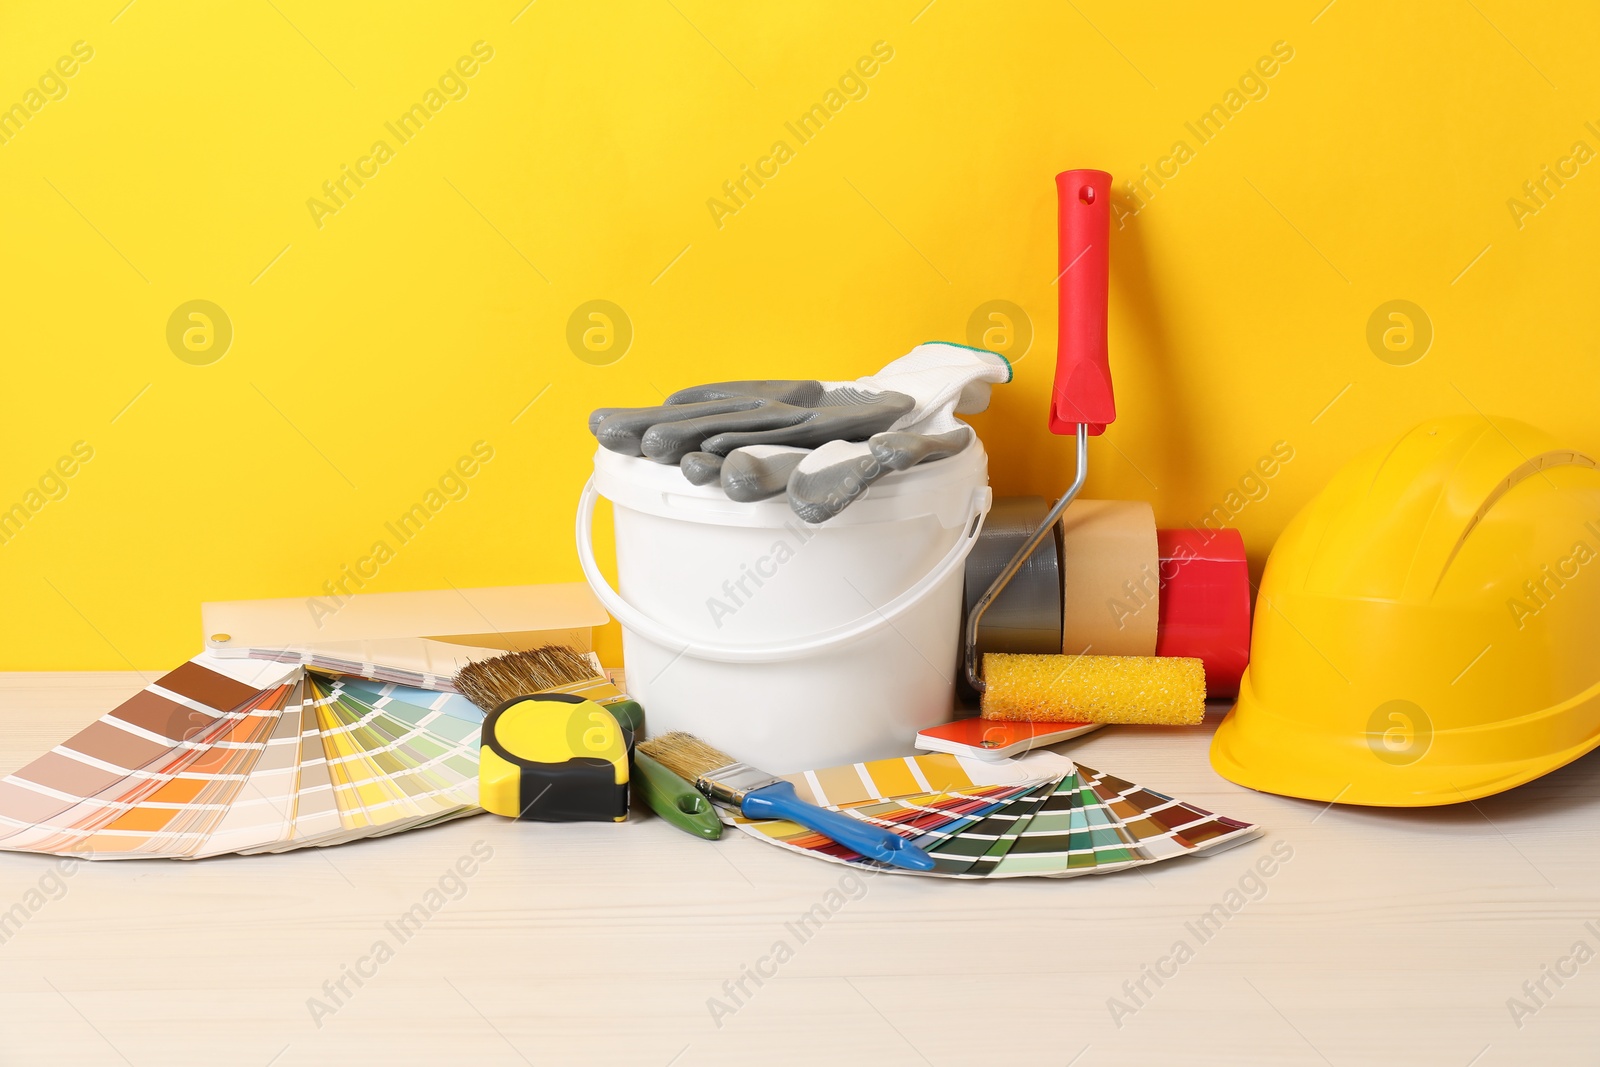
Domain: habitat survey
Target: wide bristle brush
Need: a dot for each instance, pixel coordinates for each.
(489, 682)
(557, 668)
(755, 794)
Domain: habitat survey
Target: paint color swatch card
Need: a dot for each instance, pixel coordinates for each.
(1073, 821)
(419, 639)
(922, 819)
(149, 743)
(991, 739)
(244, 756)
(904, 776)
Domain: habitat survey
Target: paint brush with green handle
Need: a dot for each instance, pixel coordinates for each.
(558, 669)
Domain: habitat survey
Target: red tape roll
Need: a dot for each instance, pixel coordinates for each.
(1205, 603)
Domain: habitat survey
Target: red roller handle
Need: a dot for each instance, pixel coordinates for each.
(1082, 392)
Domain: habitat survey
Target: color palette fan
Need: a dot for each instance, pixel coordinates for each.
(1041, 816)
(232, 756)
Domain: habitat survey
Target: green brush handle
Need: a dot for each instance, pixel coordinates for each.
(669, 796)
(628, 713)
(674, 799)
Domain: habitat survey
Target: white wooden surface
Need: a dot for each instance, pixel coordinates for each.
(1388, 938)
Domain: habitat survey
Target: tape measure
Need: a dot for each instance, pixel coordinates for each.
(554, 757)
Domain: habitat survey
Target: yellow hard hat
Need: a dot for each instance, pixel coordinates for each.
(1425, 630)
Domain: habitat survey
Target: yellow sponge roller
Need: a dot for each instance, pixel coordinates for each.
(1138, 690)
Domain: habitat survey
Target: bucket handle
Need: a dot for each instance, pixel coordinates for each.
(645, 626)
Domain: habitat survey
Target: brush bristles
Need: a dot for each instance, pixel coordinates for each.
(491, 682)
(684, 754)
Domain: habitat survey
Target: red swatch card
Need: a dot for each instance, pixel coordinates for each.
(994, 740)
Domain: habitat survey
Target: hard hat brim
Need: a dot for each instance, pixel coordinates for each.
(1261, 750)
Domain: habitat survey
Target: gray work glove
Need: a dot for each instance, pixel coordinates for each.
(822, 442)
(725, 416)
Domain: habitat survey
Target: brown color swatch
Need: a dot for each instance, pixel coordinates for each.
(162, 717)
(206, 686)
(116, 746)
(68, 775)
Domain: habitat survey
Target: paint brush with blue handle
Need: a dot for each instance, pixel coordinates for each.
(755, 794)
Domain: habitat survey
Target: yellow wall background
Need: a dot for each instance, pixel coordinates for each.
(430, 311)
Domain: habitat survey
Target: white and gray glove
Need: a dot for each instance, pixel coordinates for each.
(823, 442)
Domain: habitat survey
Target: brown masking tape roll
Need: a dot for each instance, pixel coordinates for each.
(1026, 616)
(1110, 578)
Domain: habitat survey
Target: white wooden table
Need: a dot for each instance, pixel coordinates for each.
(1387, 937)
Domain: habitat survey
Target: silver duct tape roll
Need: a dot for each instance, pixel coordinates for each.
(1026, 617)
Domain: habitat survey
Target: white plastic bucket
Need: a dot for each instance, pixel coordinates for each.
(789, 646)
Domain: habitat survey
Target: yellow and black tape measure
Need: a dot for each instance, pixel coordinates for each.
(553, 757)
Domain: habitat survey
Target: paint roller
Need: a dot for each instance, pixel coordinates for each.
(1144, 620)
(1109, 583)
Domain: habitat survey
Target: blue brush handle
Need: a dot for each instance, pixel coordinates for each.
(778, 801)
